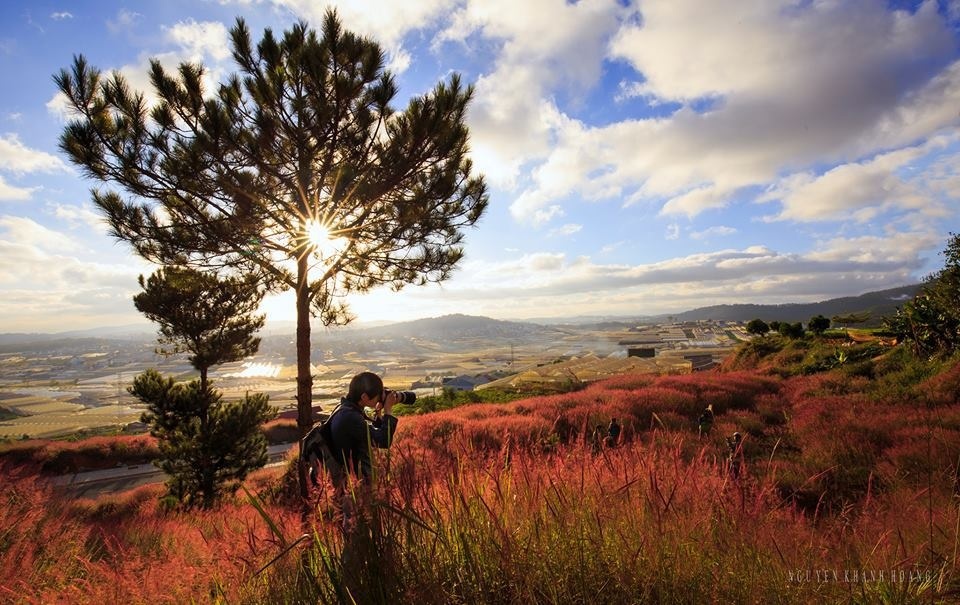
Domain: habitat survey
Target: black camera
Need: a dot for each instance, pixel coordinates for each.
(404, 397)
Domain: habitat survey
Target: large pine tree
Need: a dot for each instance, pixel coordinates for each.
(302, 141)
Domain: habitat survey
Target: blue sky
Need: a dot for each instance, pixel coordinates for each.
(643, 157)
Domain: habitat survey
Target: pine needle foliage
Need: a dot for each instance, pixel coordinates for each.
(213, 319)
(207, 446)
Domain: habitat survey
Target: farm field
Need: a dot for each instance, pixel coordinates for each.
(84, 389)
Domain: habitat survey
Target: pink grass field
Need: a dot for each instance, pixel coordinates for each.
(846, 494)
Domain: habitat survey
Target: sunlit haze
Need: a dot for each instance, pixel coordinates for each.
(642, 157)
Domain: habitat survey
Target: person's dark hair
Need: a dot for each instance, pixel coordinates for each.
(364, 382)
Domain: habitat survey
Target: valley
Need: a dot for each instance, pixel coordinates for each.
(53, 387)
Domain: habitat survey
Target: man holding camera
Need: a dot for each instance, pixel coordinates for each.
(353, 434)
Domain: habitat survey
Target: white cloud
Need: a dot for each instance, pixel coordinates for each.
(46, 284)
(696, 201)
(543, 284)
(688, 50)
(22, 231)
(386, 20)
(12, 193)
(785, 86)
(673, 232)
(81, 216)
(565, 230)
(59, 107)
(123, 21)
(894, 248)
(200, 40)
(18, 158)
(859, 191)
(61, 15)
(546, 44)
(398, 61)
(719, 230)
(204, 42)
(58, 310)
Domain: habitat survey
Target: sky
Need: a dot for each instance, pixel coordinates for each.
(642, 157)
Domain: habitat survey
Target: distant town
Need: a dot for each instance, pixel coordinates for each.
(53, 387)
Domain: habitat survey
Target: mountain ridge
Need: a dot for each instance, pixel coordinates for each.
(879, 303)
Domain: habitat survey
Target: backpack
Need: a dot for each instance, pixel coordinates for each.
(315, 447)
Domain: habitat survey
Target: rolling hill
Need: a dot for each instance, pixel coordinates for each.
(878, 304)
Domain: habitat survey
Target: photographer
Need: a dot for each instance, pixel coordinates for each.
(354, 433)
(352, 436)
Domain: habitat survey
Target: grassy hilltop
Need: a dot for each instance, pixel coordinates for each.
(847, 493)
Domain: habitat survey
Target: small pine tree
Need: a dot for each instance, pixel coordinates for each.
(207, 446)
(198, 312)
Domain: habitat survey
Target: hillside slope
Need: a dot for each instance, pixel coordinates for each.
(878, 304)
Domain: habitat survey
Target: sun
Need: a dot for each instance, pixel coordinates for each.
(323, 240)
(318, 234)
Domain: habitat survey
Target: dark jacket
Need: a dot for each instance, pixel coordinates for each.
(354, 435)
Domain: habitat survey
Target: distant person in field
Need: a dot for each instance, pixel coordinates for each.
(596, 440)
(613, 433)
(353, 433)
(705, 422)
(735, 457)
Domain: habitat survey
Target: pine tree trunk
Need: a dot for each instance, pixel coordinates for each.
(304, 378)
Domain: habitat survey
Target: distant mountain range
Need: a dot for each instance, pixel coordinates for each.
(877, 304)
(458, 326)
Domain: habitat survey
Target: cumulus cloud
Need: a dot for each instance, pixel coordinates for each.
(553, 284)
(71, 288)
(546, 44)
(82, 216)
(875, 263)
(19, 159)
(200, 40)
(763, 88)
(388, 21)
(12, 193)
(861, 191)
(25, 232)
(568, 229)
